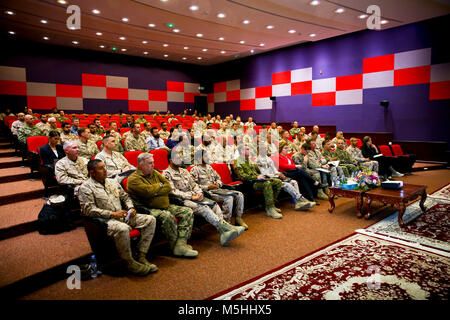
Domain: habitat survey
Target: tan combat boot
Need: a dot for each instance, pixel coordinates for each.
(241, 222)
(182, 250)
(141, 258)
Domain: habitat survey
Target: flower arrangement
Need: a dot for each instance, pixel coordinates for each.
(367, 180)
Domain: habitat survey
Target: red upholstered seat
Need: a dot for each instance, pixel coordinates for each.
(224, 173)
(347, 141)
(359, 143)
(125, 184)
(99, 144)
(397, 149)
(385, 150)
(123, 130)
(132, 156)
(160, 156)
(215, 125)
(134, 233)
(33, 143)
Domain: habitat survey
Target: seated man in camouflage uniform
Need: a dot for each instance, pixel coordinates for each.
(103, 198)
(62, 117)
(317, 161)
(94, 136)
(44, 125)
(330, 156)
(115, 162)
(114, 131)
(294, 130)
(66, 135)
(248, 171)
(71, 170)
(98, 125)
(135, 141)
(149, 191)
(164, 133)
(346, 161)
(28, 130)
(88, 149)
(140, 119)
(356, 154)
(209, 180)
(185, 188)
(52, 125)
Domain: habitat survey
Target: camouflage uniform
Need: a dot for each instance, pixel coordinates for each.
(68, 137)
(184, 187)
(16, 126)
(328, 155)
(164, 134)
(62, 119)
(140, 120)
(356, 154)
(146, 134)
(27, 131)
(70, 172)
(205, 176)
(294, 131)
(114, 163)
(98, 200)
(150, 194)
(45, 127)
(87, 149)
(251, 142)
(136, 144)
(348, 164)
(316, 160)
(95, 137)
(299, 158)
(187, 152)
(245, 170)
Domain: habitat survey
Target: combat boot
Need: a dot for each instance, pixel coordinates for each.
(270, 212)
(143, 260)
(240, 222)
(137, 268)
(240, 230)
(226, 234)
(182, 250)
(321, 195)
(311, 203)
(301, 205)
(277, 209)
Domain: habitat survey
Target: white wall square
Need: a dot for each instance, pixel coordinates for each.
(324, 85)
(378, 79)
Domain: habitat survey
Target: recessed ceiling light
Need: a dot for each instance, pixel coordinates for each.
(96, 11)
(314, 2)
(193, 8)
(44, 21)
(199, 58)
(221, 15)
(145, 52)
(292, 31)
(270, 27)
(339, 10)
(204, 50)
(166, 55)
(125, 19)
(221, 38)
(242, 42)
(384, 21)
(184, 58)
(151, 25)
(363, 16)
(199, 35)
(145, 42)
(164, 0)
(62, 1)
(11, 32)
(99, 33)
(75, 42)
(185, 48)
(261, 44)
(46, 38)
(312, 35)
(165, 45)
(102, 46)
(11, 13)
(122, 38)
(246, 21)
(252, 51)
(123, 49)
(223, 51)
(176, 30)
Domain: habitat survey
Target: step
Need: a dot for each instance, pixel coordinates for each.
(19, 217)
(9, 162)
(33, 255)
(14, 174)
(7, 153)
(11, 192)
(422, 166)
(5, 145)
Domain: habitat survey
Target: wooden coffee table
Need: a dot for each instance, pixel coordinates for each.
(356, 194)
(398, 198)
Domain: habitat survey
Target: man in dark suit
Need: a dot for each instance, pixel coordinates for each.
(129, 123)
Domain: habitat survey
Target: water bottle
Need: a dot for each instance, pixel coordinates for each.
(93, 267)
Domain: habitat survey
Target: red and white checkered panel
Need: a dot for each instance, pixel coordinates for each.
(13, 81)
(182, 91)
(440, 81)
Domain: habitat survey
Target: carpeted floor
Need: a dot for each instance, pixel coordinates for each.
(266, 245)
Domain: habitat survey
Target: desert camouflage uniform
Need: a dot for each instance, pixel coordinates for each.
(316, 160)
(96, 137)
(328, 155)
(146, 134)
(299, 158)
(133, 144)
(27, 131)
(70, 172)
(98, 200)
(205, 176)
(164, 134)
(68, 137)
(16, 126)
(348, 164)
(245, 170)
(184, 187)
(294, 131)
(140, 120)
(356, 154)
(114, 163)
(45, 127)
(87, 149)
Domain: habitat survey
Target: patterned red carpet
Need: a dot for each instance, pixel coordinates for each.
(357, 268)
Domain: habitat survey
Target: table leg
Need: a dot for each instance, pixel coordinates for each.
(368, 213)
(422, 201)
(359, 202)
(401, 211)
(331, 199)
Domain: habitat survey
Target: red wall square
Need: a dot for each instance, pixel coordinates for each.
(138, 105)
(234, 95)
(41, 103)
(210, 97)
(324, 99)
(220, 87)
(175, 86)
(281, 77)
(352, 82)
(69, 91)
(380, 63)
(247, 104)
(190, 97)
(18, 88)
(93, 80)
(412, 76)
(157, 95)
(117, 93)
(263, 92)
(304, 87)
(440, 90)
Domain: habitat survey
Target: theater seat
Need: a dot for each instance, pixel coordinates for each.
(407, 160)
(99, 145)
(160, 156)
(132, 156)
(385, 150)
(225, 175)
(33, 143)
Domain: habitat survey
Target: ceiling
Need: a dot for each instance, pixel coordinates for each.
(147, 34)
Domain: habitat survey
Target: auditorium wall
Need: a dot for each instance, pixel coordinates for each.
(341, 81)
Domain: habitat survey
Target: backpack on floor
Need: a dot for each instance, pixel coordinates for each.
(53, 219)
